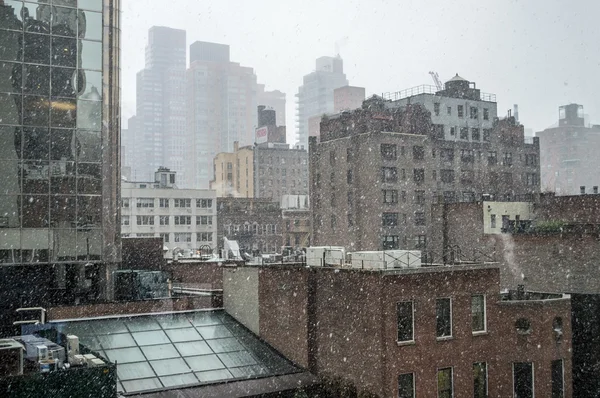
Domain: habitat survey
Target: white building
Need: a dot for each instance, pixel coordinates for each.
(186, 219)
(315, 96)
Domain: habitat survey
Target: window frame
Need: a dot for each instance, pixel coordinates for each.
(437, 320)
(389, 151)
(485, 380)
(484, 314)
(532, 366)
(451, 382)
(561, 393)
(412, 380)
(412, 322)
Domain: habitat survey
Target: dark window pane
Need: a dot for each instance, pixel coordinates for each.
(91, 55)
(10, 143)
(10, 108)
(92, 29)
(35, 211)
(11, 76)
(64, 112)
(37, 48)
(10, 16)
(64, 51)
(89, 210)
(406, 386)
(10, 43)
(62, 144)
(63, 82)
(557, 379)
(64, 21)
(36, 111)
(62, 178)
(36, 143)
(62, 211)
(480, 380)
(405, 321)
(523, 379)
(89, 146)
(36, 18)
(36, 79)
(443, 314)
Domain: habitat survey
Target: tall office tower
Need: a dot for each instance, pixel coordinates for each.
(221, 106)
(59, 152)
(274, 100)
(159, 129)
(315, 96)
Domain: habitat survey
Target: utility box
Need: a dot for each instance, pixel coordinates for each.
(388, 259)
(325, 256)
(11, 357)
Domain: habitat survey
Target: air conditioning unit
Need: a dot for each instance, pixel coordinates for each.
(11, 357)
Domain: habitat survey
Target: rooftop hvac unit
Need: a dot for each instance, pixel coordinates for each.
(11, 357)
(325, 256)
(72, 345)
(388, 259)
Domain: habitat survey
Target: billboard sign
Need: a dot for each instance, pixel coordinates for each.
(262, 134)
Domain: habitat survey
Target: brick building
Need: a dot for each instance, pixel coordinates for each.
(254, 223)
(234, 172)
(436, 331)
(377, 170)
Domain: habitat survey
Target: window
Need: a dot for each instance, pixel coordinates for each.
(420, 242)
(405, 314)
(163, 220)
(532, 179)
(388, 151)
(473, 112)
(507, 178)
(351, 199)
(420, 197)
(125, 202)
(464, 133)
(389, 174)
(348, 154)
(492, 158)
(204, 203)
(124, 220)
(390, 196)
(389, 219)
(145, 202)
(419, 175)
(452, 131)
(183, 220)
(467, 176)
(406, 385)
(460, 110)
(492, 221)
(530, 160)
(507, 159)
(204, 237)
(487, 133)
(333, 221)
(443, 317)
(182, 202)
(350, 220)
(447, 176)
(447, 154)
(475, 134)
(449, 197)
(523, 379)
(333, 201)
(403, 196)
(467, 156)
(183, 237)
(486, 114)
(332, 158)
(558, 379)
(468, 197)
(444, 383)
(349, 177)
(436, 108)
(419, 218)
(438, 131)
(145, 220)
(523, 326)
(478, 314)
(391, 242)
(165, 237)
(163, 202)
(480, 380)
(449, 111)
(418, 153)
(204, 220)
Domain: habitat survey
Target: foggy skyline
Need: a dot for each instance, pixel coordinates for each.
(538, 54)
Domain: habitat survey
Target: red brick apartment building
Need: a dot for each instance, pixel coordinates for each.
(420, 332)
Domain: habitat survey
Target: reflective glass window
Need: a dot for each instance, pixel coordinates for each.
(62, 144)
(193, 348)
(204, 362)
(36, 111)
(90, 84)
(179, 380)
(10, 143)
(213, 375)
(140, 324)
(225, 345)
(11, 17)
(125, 355)
(62, 178)
(166, 367)
(62, 211)
(205, 318)
(35, 211)
(89, 115)
(142, 384)
(162, 351)
(92, 30)
(10, 43)
(63, 82)
(35, 181)
(214, 332)
(91, 55)
(36, 18)
(89, 210)
(149, 338)
(174, 321)
(94, 5)
(186, 334)
(89, 146)
(109, 326)
(247, 371)
(93, 170)
(64, 21)
(36, 48)
(64, 51)
(64, 112)
(240, 358)
(36, 79)
(131, 371)
(11, 76)
(10, 108)
(119, 340)
(36, 143)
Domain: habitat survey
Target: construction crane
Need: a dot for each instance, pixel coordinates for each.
(436, 80)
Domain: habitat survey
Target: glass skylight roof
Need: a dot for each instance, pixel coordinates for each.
(157, 352)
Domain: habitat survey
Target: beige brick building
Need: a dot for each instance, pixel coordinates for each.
(234, 173)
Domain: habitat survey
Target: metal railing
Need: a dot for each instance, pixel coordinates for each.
(427, 89)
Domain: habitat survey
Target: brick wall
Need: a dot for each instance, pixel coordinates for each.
(204, 275)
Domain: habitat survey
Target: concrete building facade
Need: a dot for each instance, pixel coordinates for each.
(568, 152)
(295, 213)
(347, 98)
(186, 219)
(377, 170)
(315, 96)
(398, 333)
(234, 173)
(59, 153)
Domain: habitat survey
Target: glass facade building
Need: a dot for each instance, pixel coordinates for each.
(59, 148)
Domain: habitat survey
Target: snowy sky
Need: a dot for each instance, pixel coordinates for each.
(537, 53)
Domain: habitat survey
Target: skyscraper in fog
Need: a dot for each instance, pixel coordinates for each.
(315, 96)
(59, 152)
(221, 106)
(157, 132)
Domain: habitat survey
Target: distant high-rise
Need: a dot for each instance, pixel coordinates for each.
(158, 132)
(221, 107)
(59, 152)
(274, 100)
(315, 96)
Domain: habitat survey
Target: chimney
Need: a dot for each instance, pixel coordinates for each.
(582, 189)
